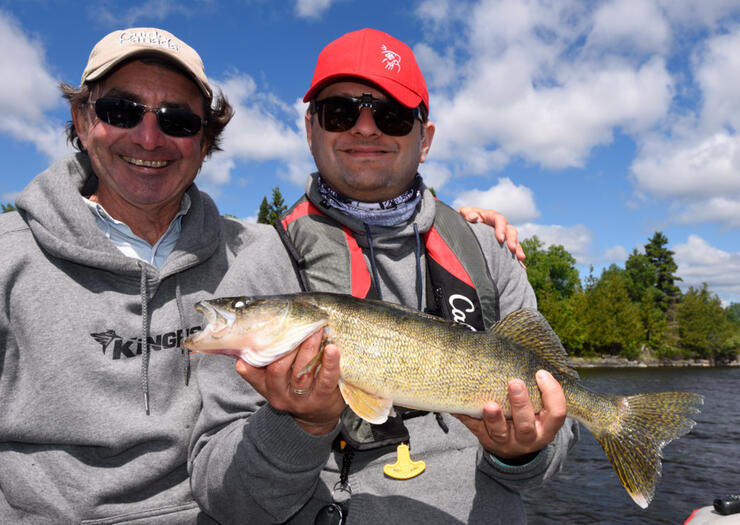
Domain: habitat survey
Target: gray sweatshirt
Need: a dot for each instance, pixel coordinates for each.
(253, 464)
(76, 444)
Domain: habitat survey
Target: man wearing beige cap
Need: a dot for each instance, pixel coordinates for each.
(304, 457)
(99, 270)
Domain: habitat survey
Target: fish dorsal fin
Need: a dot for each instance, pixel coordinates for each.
(372, 409)
(527, 327)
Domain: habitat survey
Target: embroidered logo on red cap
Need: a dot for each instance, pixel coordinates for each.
(391, 59)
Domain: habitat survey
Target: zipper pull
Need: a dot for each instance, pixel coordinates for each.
(404, 468)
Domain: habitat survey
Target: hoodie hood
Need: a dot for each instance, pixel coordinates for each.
(64, 227)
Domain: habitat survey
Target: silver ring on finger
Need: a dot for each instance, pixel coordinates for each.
(300, 391)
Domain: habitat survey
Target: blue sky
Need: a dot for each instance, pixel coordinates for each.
(591, 124)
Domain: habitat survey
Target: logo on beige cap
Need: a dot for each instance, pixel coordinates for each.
(149, 38)
(391, 59)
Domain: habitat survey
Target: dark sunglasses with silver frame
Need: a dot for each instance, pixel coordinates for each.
(337, 114)
(126, 114)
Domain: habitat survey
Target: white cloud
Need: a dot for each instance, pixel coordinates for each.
(717, 72)
(435, 174)
(721, 210)
(258, 132)
(547, 82)
(435, 11)
(615, 254)
(701, 13)
(311, 8)
(215, 172)
(637, 24)
(697, 162)
(703, 167)
(439, 71)
(29, 91)
(515, 202)
(699, 262)
(527, 90)
(575, 239)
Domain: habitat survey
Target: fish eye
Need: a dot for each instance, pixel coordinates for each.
(239, 304)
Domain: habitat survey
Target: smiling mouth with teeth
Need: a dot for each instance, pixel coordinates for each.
(146, 163)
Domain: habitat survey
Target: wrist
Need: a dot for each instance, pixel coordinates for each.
(516, 461)
(316, 428)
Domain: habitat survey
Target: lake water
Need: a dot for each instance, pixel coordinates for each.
(698, 467)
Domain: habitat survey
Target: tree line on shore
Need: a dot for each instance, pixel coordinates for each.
(631, 311)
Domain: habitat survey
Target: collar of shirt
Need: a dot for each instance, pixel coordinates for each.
(130, 244)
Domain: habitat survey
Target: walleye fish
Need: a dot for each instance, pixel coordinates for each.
(392, 355)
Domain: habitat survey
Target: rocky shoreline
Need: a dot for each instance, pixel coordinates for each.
(622, 362)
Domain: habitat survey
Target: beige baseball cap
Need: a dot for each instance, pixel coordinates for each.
(126, 43)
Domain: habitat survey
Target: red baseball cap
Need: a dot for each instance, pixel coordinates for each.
(374, 56)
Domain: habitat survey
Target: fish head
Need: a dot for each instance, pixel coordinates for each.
(257, 330)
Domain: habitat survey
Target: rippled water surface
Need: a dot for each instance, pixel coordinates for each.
(698, 467)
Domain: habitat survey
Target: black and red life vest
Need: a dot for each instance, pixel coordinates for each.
(328, 258)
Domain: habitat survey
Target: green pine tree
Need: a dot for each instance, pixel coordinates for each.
(612, 319)
(7, 207)
(277, 206)
(734, 312)
(641, 275)
(662, 259)
(705, 329)
(263, 216)
(270, 212)
(552, 269)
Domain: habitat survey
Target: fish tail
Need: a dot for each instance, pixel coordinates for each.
(642, 425)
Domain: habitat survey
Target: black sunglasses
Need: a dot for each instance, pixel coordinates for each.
(341, 114)
(127, 114)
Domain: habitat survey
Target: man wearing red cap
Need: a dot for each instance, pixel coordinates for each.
(368, 226)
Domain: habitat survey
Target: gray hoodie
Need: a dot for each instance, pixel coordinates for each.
(76, 443)
(253, 464)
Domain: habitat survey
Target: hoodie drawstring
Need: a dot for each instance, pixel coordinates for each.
(373, 266)
(145, 348)
(181, 312)
(418, 268)
(144, 337)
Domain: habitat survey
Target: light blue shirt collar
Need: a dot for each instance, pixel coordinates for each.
(132, 245)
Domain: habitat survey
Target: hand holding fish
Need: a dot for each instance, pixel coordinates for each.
(313, 401)
(526, 431)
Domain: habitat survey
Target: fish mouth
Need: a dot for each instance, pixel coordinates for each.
(218, 321)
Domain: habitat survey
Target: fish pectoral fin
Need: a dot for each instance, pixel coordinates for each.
(371, 408)
(315, 363)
